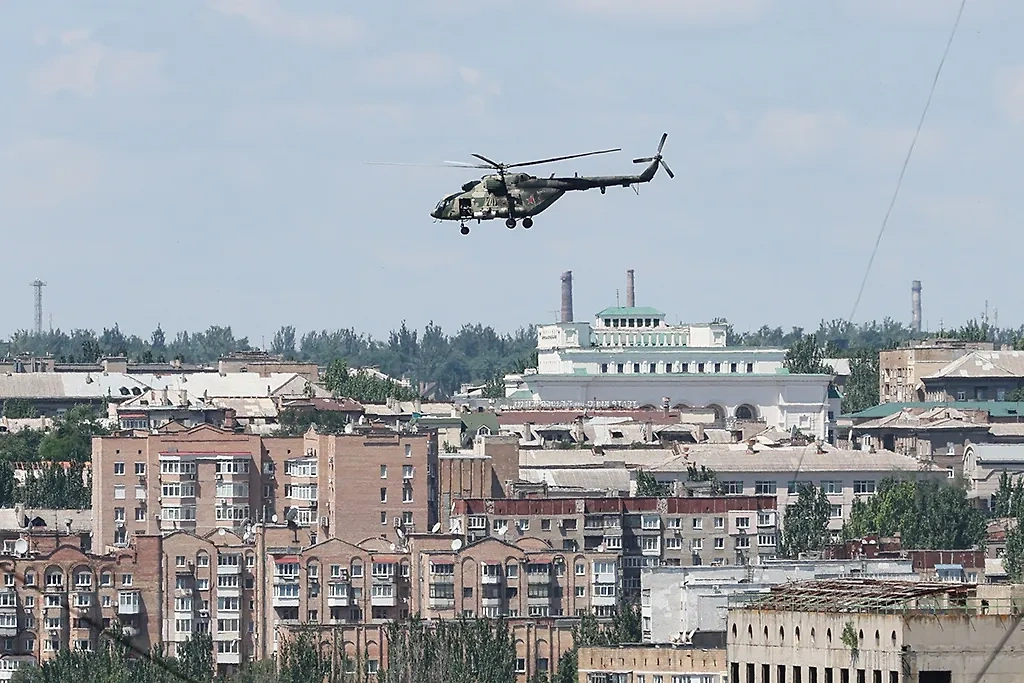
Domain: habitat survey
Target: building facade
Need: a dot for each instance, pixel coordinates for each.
(632, 354)
(900, 370)
(857, 631)
(651, 663)
(355, 486)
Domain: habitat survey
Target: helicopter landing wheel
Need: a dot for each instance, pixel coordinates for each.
(464, 229)
(510, 223)
(527, 223)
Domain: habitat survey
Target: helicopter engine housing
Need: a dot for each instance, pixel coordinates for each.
(496, 186)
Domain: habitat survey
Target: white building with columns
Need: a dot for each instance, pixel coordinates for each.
(632, 354)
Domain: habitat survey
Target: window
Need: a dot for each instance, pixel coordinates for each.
(383, 495)
(407, 493)
(732, 488)
(719, 522)
(743, 522)
(619, 368)
(832, 487)
(837, 512)
(698, 523)
(750, 368)
(653, 368)
(119, 492)
(718, 367)
(406, 471)
(732, 367)
(383, 471)
(604, 369)
(700, 367)
(140, 514)
(119, 468)
(118, 514)
(408, 450)
(765, 488)
(864, 486)
(140, 469)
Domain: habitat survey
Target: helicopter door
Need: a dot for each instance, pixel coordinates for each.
(465, 207)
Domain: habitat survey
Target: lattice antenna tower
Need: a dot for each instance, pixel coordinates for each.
(38, 285)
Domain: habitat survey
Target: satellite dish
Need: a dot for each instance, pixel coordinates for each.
(457, 544)
(21, 546)
(292, 514)
(398, 530)
(392, 546)
(501, 532)
(222, 531)
(436, 528)
(273, 518)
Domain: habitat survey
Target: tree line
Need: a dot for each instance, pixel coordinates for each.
(439, 362)
(461, 650)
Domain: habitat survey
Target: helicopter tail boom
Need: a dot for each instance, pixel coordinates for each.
(604, 182)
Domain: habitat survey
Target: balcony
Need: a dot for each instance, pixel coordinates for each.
(229, 568)
(287, 600)
(337, 595)
(441, 603)
(128, 602)
(229, 658)
(492, 578)
(9, 628)
(606, 595)
(538, 578)
(9, 665)
(383, 598)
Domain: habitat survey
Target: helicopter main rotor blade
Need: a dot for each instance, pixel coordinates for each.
(570, 156)
(446, 164)
(493, 164)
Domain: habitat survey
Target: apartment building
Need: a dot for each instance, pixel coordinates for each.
(205, 478)
(209, 585)
(645, 532)
(900, 370)
(64, 597)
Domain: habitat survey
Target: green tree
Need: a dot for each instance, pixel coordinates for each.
(624, 627)
(19, 408)
(927, 513)
(806, 357)
(1013, 553)
(649, 487)
(805, 524)
(861, 390)
(195, 657)
(463, 650)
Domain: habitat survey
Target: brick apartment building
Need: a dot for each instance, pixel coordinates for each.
(643, 531)
(355, 486)
(56, 596)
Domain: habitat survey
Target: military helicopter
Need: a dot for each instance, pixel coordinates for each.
(515, 195)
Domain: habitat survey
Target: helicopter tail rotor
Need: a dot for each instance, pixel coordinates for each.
(657, 157)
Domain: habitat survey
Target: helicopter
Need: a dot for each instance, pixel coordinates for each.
(514, 195)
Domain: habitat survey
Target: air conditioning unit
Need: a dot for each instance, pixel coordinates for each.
(398, 522)
(219, 476)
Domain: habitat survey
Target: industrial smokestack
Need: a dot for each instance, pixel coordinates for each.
(915, 306)
(567, 296)
(630, 294)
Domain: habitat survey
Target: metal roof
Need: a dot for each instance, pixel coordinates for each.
(994, 408)
(860, 595)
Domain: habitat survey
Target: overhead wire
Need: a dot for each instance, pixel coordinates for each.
(906, 160)
(899, 184)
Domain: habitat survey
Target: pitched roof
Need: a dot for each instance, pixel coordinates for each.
(983, 364)
(994, 408)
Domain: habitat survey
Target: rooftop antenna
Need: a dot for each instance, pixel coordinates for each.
(39, 284)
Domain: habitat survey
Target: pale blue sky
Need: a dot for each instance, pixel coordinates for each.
(202, 162)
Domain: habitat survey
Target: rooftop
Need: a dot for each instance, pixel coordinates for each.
(994, 408)
(862, 595)
(630, 311)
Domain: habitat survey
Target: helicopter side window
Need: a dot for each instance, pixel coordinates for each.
(465, 207)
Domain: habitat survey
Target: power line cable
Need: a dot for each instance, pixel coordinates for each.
(906, 161)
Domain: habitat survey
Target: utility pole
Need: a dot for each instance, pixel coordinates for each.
(39, 284)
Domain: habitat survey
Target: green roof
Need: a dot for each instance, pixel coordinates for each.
(474, 421)
(994, 408)
(629, 311)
